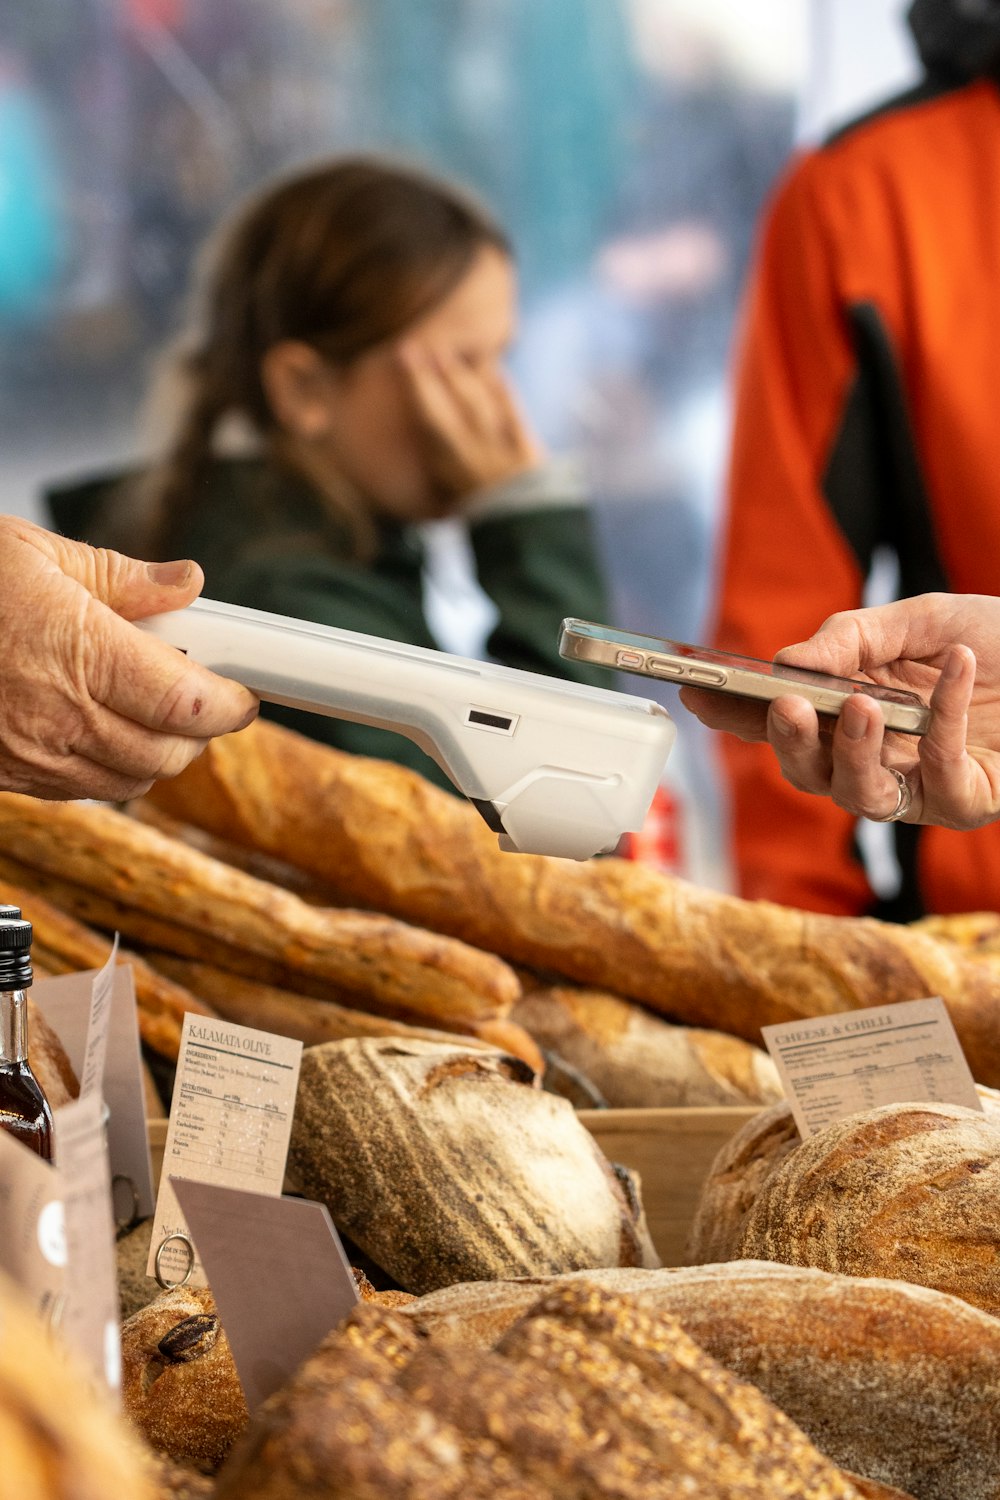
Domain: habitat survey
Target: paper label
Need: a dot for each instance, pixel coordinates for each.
(68, 1003)
(230, 1123)
(90, 1310)
(907, 1053)
(96, 1046)
(279, 1276)
(33, 1216)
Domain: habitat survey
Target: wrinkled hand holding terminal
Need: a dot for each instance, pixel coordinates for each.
(554, 767)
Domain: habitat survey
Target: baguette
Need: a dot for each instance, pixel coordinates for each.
(250, 1003)
(142, 871)
(385, 838)
(62, 945)
(636, 1060)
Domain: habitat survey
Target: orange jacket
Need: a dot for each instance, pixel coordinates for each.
(867, 415)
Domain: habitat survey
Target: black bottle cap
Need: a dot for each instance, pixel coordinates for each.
(15, 953)
(7, 913)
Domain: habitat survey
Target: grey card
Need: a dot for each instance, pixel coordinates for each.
(90, 1308)
(33, 1216)
(278, 1273)
(68, 1003)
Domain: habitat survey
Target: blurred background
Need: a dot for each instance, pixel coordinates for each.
(627, 144)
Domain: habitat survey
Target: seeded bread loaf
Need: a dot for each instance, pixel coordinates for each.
(587, 1396)
(896, 1382)
(385, 838)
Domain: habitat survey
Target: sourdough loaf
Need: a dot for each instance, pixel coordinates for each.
(894, 1381)
(444, 1164)
(907, 1191)
(385, 838)
(49, 1060)
(740, 1169)
(94, 860)
(588, 1395)
(636, 1060)
(179, 1382)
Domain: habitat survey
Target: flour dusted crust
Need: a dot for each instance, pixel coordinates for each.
(384, 837)
(446, 1165)
(740, 1169)
(893, 1381)
(190, 1409)
(907, 1191)
(637, 1060)
(588, 1395)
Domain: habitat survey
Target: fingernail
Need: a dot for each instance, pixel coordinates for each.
(784, 726)
(171, 575)
(854, 723)
(953, 666)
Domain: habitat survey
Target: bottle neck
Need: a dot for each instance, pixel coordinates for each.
(13, 1027)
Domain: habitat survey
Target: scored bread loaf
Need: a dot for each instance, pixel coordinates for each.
(444, 1164)
(906, 1191)
(740, 1168)
(588, 1395)
(636, 1060)
(113, 858)
(385, 838)
(893, 1381)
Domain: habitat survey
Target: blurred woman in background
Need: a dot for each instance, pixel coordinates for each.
(341, 384)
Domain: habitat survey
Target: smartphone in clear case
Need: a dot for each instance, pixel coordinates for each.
(723, 672)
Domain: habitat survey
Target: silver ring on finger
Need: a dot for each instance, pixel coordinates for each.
(904, 798)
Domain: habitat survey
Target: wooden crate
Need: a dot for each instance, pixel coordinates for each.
(672, 1150)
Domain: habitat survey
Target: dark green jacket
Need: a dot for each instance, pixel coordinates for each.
(265, 540)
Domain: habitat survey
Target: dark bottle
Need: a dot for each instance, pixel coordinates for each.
(24, 1109)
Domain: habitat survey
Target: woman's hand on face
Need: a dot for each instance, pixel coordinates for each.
(475, 433)
(946, 648)
(90, 706)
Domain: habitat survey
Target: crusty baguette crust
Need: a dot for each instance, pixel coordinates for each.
(119, 859)
(63, 945)
(387, 839)
(637, 1060)
(313, 1022)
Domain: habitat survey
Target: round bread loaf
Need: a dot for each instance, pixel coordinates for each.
(58, 1440)
(49, 1060)
(907, 1191)
(445, 1165)
(738, 1173)
(179, 1382)
(892, 1381)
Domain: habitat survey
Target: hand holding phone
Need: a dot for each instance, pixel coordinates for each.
(742, 677)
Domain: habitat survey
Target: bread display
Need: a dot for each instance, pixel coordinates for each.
(739, 1171)
(895, 1382)
(906, 1191)
(58, 1439)
(49, 1060)
(444, 1164)
(384, 838)
(179, 1383)
(637, 1060)
(588, 1395)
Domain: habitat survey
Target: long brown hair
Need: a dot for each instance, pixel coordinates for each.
(342, 256)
